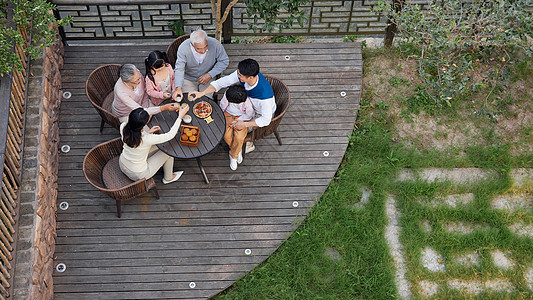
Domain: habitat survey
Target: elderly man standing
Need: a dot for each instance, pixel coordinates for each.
(199, 60)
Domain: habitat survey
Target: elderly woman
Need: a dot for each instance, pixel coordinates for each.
(130, 93)
(140, 157)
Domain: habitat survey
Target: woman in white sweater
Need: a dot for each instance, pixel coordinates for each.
(140, 157)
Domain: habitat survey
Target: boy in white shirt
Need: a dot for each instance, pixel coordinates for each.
(236, 106)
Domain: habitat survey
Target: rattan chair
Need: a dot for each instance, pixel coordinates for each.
(283, 100)
(172, 49)
(99, 89)
(101, 169)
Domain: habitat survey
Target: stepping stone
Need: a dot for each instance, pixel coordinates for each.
(333, 254)
(427, 288)
(364, 197)
(459, 199)
(392, 236)
(426, 226)
(453, 200)
(457, 175)
(432, 260)
(513, 202)
(470, 287)
(501, 261)
(522, 229)
(476, 286)
(500, 284)
(460, 227)
(470, 259)
(521, 176)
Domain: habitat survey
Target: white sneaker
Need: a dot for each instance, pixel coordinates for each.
(239, 159)
(233, 163)
(249, 147)
(177, 176)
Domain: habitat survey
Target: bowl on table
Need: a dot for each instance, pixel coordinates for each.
(187, 119)
(189, 135)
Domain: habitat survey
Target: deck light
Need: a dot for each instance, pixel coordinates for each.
(61, 267)
(65, 148)
(63, 205)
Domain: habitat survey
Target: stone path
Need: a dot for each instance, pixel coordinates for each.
(515, 202)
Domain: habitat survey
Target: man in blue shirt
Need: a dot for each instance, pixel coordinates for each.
(259, 91)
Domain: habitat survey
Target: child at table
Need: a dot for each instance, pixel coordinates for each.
(236, 106)
(159, 77)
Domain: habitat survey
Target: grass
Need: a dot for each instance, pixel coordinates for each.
(300, 268)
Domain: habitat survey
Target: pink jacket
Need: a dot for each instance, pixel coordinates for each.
(126, 100)
(154, 90)
(246, 108)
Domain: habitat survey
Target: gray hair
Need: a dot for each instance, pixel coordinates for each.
(127, 72)
(198, 36)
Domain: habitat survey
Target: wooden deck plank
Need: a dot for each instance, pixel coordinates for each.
(198, 232)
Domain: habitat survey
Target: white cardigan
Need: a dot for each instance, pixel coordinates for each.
(135, 159)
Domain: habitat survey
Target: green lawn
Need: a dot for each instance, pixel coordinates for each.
(301, 269)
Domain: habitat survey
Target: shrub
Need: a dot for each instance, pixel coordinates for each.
(450, 38)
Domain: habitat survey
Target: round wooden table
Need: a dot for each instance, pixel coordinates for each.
(210, 133)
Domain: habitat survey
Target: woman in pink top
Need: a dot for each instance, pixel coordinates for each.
(159, 77)
(130, 93)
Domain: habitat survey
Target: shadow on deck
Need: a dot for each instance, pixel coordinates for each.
(197, 232)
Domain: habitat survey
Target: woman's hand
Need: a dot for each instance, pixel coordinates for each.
(183, 110)
(153, 129)
(170, 107)
(167, 95)
(177, 93)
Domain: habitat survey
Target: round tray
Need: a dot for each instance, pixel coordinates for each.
(205, 107)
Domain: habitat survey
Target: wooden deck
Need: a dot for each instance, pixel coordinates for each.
(197, 232)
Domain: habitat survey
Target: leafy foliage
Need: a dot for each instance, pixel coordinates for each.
(350, 38)
(450, 38)
(270, 12)
(35, 18)
(289, 39)
(177, 26)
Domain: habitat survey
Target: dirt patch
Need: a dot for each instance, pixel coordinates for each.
(390, 79)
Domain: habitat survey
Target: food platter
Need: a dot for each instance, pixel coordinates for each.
(202, 109)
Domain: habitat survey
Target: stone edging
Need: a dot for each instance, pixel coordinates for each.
(37, 224)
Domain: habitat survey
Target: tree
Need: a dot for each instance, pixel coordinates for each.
(267, 11)
(391, 28)
(32, 17)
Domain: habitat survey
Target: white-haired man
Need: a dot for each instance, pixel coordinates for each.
(199, 59)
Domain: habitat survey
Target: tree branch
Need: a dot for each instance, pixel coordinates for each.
(214, 6)
(228, 9)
